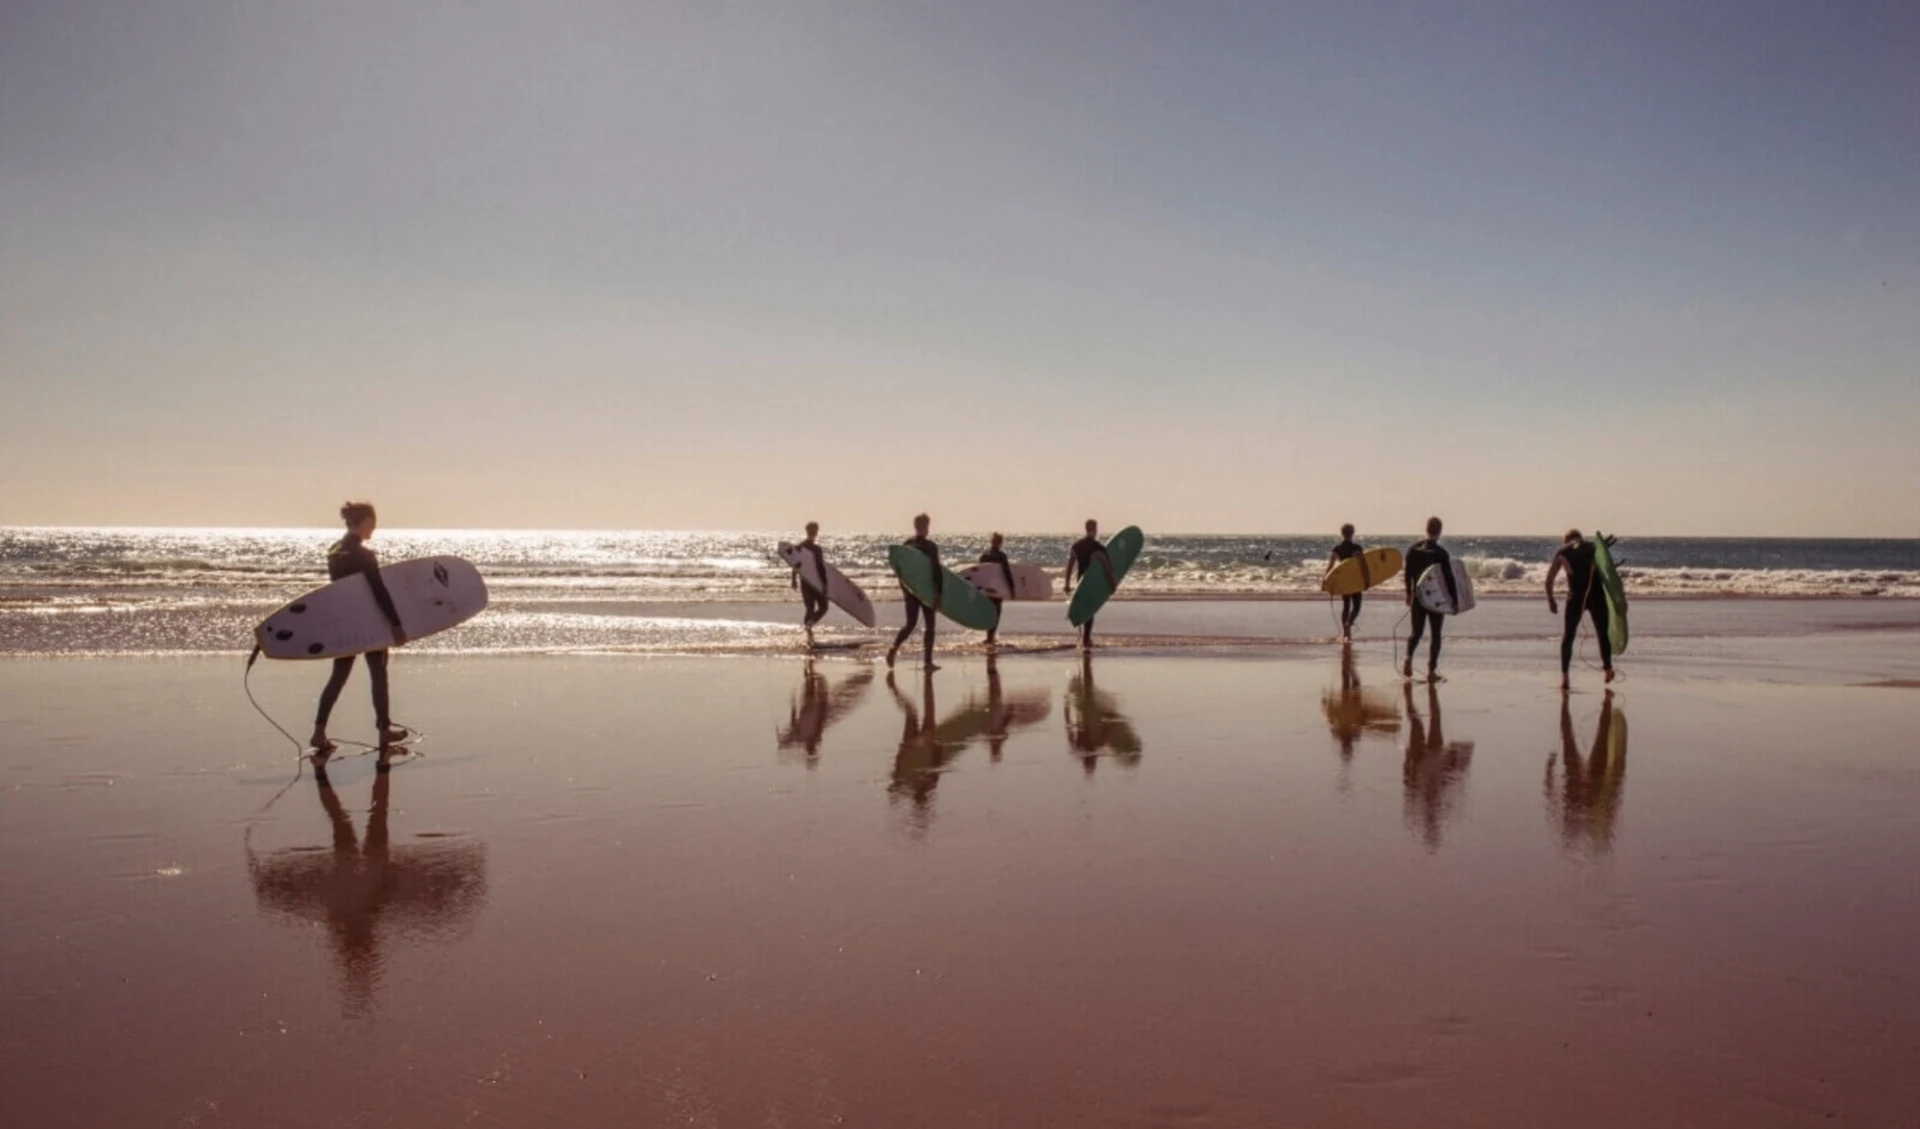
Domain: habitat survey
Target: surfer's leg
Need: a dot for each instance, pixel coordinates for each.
(342, 667)
(1602, 630)
(1433, 647)
(1413, 640)
(1567, 639)
(926, 638)
(377, 670)
(995, 629)
(913, 619)
(1086, 635)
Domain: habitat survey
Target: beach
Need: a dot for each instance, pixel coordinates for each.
(1209, 885)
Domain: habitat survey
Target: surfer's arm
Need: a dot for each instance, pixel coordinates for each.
(1553, 573)
(1446, 574)
(1072, 560)
(370, 565)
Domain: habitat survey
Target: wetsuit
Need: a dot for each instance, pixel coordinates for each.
(1082, 562)
(1349, 605)
(348, 556)
(996, 556)
(814, 601)
(1421, 556)
(914, 606)
(1584, 594)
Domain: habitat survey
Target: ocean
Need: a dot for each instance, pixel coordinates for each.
(67, 590)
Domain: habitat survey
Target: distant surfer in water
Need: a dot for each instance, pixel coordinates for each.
(1421, 556)
(997, 555)
(920, 541)
(1080, 558)
(1347, 549)
(1584, 594)
(348, 556)
(815, 602)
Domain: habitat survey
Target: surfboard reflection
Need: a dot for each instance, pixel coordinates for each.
(819, 703)
(368, 893)
(1095, 725)
(1354, 711)
(1435, 770)
(1590, 793)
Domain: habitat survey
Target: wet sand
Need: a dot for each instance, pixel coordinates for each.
(1195, 891)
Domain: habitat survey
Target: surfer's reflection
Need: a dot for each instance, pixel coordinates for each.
(926, 748)
(922, 757)
(1588, 799)
(819, 704)
(1435, 769)
(1095, 725)
(1352, 711)
(367, 891)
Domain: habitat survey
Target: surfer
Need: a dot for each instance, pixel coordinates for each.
(920, 541)
(1347, 549)
(348, 556)
(1584, 594)
(1421, 556)
(1080, 559)
(997, 555)
(814, 602)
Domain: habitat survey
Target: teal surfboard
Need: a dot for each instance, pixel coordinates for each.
(962, 602)
(1616, 592)
(1094, 590)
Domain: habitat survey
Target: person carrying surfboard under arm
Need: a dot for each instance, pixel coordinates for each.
(1347, 549)
(1584, 594)
(995, 554)
(348, 556)
(924, 544)
(814, 602)
(1080, 558)
(1421, 556)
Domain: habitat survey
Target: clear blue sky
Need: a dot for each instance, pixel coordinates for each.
(1653, 266)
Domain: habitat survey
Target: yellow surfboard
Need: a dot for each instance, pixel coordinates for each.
(1357, 574)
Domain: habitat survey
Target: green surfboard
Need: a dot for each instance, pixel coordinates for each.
(962, 603)
(1616, 591)
(1094, 590)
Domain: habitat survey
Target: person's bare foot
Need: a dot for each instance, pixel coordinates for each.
(1609, 674)
(929, 667)
(891, 652)
(319, 745)
(393, 735)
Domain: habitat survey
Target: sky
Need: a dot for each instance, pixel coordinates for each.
(1204, 267)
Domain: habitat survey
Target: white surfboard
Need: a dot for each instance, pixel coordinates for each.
(1029, 581)
(1431, 591)
(431, 594)
(843, 593)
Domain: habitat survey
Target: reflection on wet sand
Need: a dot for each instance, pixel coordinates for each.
(926, 748)
(367, 891)
(819, 704)
(1095, 725)
(1588, 801)
(1435, 769)
(1353, 711)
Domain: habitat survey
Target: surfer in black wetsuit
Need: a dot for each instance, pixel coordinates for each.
(348, 556)
(996, 555)
(1347, 549)
(920, 541)
(1584, 594)
(814, 602)
(1421, 556)
(1080, 559)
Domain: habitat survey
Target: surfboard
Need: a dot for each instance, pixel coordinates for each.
(1029, 582)
(431, 594)
(1431, 590)
(962, 602)
(1358, 573)
(841, 592)
(1094, 591)
(1616, 591)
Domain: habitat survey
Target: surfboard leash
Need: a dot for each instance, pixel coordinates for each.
(302, 753)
